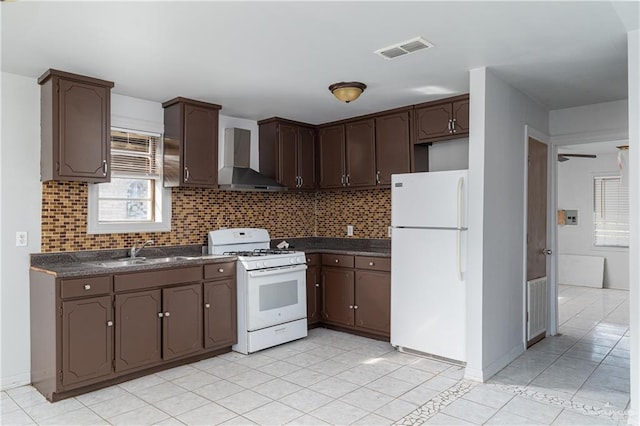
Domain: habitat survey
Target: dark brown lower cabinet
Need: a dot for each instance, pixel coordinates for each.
(182, 328)
(337, 296)
(138, 329)
(314, 295)
(87, 339)
(87, 332)
(357, 295)
(220, 308)
(372, 301)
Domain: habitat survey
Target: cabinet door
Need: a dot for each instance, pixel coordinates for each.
(220, 306)
(307, 157)
(373, 301)
(138, 329)
(360, 153)
(84, 117)
(337, 295)
(460, 111)
(331, 148)
(392, 146)
(87, 339)
(200, 150)
(182, 328)
(314, 295)
(433, 122)
(287, 173)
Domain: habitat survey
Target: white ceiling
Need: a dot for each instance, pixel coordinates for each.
(264, 59)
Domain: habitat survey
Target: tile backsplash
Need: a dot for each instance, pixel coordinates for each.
(195, 211)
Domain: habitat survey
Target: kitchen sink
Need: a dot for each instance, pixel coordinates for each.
(168, 259)
(119, 263)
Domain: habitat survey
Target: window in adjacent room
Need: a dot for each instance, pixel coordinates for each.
(134, 200)
(610, 212)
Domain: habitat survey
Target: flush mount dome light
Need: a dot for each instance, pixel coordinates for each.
(347, 92)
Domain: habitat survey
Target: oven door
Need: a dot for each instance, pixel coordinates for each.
(275, 296)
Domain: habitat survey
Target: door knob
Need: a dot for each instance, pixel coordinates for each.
(547, 252)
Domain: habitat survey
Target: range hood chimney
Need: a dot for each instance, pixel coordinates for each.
(236, 174)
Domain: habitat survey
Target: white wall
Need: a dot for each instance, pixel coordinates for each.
(21, 196)
(575, 192)
(498, 115)
(633, 46)
(589, 123)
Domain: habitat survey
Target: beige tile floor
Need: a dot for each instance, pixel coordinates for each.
(579, 377)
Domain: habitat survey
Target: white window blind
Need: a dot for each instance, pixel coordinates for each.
(135, 154)
(610, 212)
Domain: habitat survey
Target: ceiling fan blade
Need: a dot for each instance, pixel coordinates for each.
(578, 155)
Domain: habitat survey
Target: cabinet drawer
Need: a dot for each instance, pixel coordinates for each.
(141, 280)
(219, 270)
(90, 286)
(313, 259)
(373, 263)
(342, 260)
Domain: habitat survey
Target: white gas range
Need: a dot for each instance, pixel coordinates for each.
(272, 301)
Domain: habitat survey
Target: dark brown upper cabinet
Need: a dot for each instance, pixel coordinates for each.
(446, 119)
(190, 143)
(393, 140)
(347, 155)
(287, 152)
(331, 148)
(75, 127)
(360, 153)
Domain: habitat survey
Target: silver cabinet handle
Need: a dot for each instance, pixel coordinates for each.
(206, 305)
(109, 323)
(317, 284)
(167, 314)
(301, 181)
(348, 180)
(221, 270)
(308, 260)
(453, 125)
(355, 306)
(378, 176)
(449, 126)
(186, 174)
(371, 263)
(105, 167)
(87, 286)
(350, 306)
(337, 260)
(342, 180)
(160, 314)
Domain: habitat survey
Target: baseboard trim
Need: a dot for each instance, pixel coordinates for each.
(484, 374)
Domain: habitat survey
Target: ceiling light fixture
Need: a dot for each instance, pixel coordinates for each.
(347, 92)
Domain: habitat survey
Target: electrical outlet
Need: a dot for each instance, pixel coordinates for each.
(21, 239)
(389, 231)
(349, 230)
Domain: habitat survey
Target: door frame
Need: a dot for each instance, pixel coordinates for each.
(552, 172)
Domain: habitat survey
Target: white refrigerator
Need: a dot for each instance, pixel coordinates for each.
(428, 263)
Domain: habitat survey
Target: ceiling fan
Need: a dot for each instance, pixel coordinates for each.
(565, 157)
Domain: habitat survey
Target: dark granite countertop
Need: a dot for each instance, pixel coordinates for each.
(83, 263)
(349, 246)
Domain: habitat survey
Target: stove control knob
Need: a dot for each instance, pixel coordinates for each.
(300, 259)
(265, 264)
(292, 260)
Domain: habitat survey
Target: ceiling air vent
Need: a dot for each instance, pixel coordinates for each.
(404, 48)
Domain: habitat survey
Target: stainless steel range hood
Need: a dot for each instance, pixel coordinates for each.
(237, 175)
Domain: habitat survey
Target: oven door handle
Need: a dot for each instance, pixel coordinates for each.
(277, 271)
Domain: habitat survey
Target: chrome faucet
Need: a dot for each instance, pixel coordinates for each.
(135, 251)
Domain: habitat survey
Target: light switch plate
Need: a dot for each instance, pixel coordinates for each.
(349, 230)
(389, 231)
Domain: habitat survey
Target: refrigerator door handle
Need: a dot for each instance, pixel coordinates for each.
(458, 255)
(460, 181)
